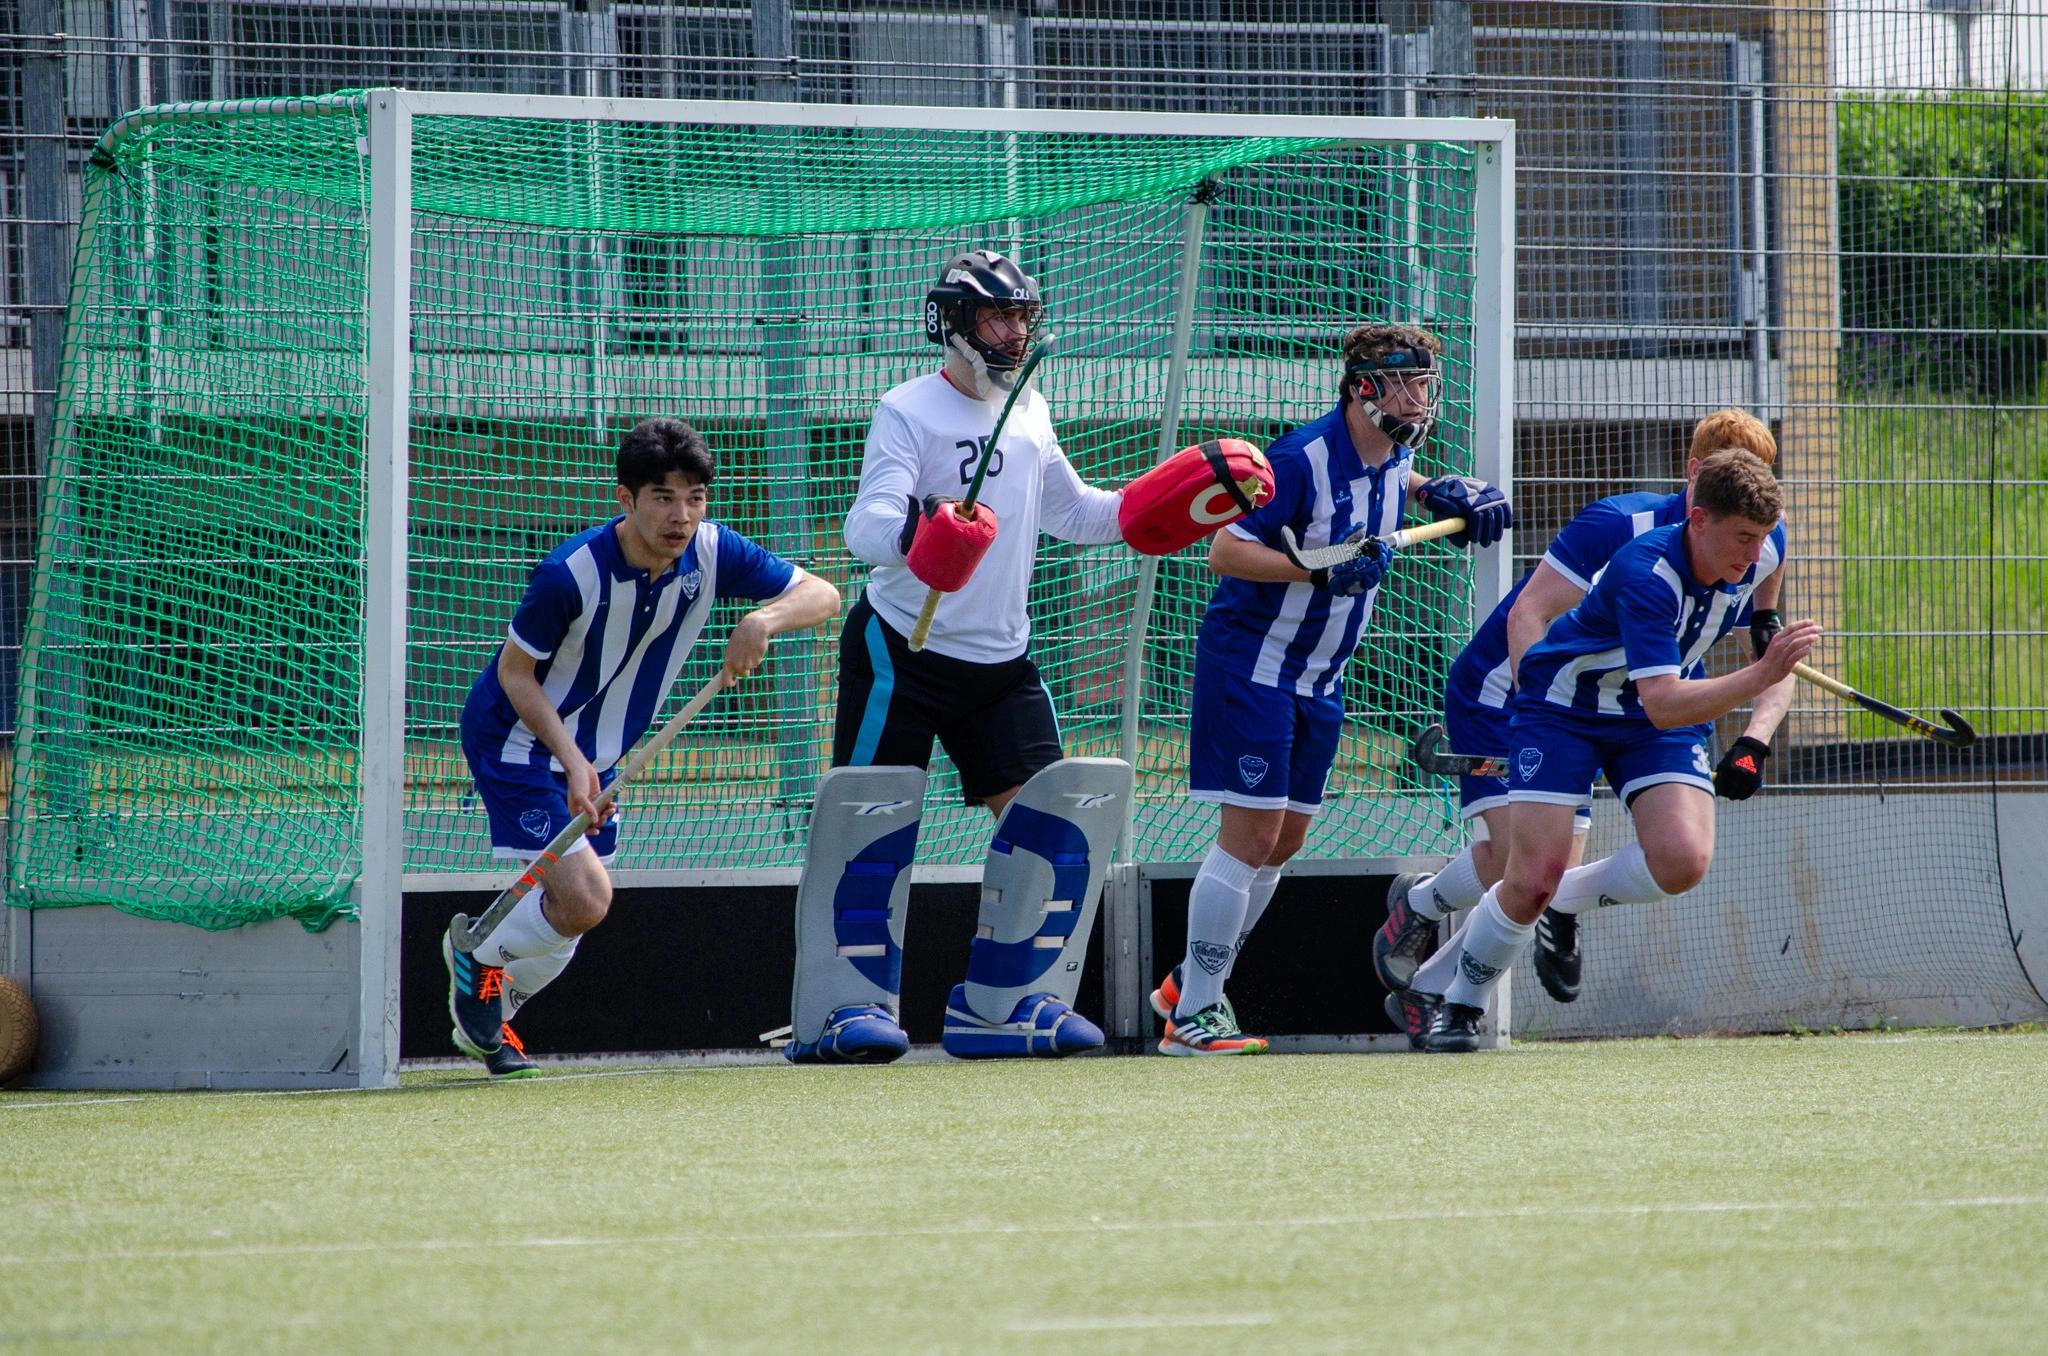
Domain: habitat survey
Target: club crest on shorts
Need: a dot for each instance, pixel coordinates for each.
(537, 824)
(1252, 769)
(1526, 763)
(1211, 957)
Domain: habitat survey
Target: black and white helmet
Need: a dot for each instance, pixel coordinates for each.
(970, 281)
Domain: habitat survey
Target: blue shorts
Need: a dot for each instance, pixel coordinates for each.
(1473, 727)
(1264, 748)
(529, 805)
(1556, 754)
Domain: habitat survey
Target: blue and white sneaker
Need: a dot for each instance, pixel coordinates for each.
(474, 990)
(859, 1033)
(1040, 1025)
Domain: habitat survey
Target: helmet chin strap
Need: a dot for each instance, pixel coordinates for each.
(967, 368)
(1400, 430)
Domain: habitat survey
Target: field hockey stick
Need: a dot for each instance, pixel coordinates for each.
(1315, 558)
(1958, 735)
(1423, 751)
(965, 508)
(467, 935)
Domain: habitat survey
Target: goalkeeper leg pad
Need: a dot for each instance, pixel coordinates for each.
(1039, 893)
(849, 916)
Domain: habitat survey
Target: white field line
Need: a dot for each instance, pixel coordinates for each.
(1080, 1227)
(1140, 1322)
(664, 1066)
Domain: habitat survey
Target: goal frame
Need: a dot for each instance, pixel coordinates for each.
(391, 114)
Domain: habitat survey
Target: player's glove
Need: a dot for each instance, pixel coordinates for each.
(1361, 574)
(1763, 624)
(1740, 773)
(919, 511)
(1486, 510)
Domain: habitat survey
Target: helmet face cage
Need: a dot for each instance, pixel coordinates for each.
(971, 281)
(1378, 375)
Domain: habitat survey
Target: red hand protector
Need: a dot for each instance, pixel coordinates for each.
(1192, 493)
(948, 547)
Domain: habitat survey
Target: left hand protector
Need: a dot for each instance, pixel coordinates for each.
(1485, 509)
(1361, 574)
(1740, 773)
(1192, 493)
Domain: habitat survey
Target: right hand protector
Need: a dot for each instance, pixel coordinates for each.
(942, 548)
(1361, 574)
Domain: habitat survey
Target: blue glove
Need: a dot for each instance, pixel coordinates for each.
(1485, 509)
(1361, 574)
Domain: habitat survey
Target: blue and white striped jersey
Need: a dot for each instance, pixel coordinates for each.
(610, 640)
(1646, 615)
(1579, 552)
(1295, 636)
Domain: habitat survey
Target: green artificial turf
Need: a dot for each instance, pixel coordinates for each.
(1867, 1194)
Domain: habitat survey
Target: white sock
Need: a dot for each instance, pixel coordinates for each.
(1216, 911)
(525, 932)
(1493, 943)
(1623, 878)
(528, 975)
(1455, 887)
(1265, 881)
(1434, 975)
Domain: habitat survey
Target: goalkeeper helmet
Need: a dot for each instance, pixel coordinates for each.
(969, 282)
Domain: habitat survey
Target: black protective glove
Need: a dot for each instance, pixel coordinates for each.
(1486, 510)
(1740, 773)
(914, 510)
(1763, 624)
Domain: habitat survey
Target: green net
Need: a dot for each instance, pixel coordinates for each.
(190, 738)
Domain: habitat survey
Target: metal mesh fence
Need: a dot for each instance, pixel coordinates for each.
(1828, 213)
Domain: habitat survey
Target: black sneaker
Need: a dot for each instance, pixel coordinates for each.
(1455, 1031)
(1413, 1012)
(473, 993)
(1557, 954)
(509, 1059)
(1406, 939)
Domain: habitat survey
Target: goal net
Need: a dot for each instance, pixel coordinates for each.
(193, 741)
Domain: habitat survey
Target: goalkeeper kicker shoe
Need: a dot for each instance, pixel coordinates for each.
(1209, 1032)
(859, 1033)
(1557, 954)
(1166, 998)
(1406, 939)
(1039, 1025)
(474, 990)
(1455, 1031)
(1413, 1012)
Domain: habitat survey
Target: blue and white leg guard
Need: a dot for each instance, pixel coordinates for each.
(849, 916)
(1039, 893)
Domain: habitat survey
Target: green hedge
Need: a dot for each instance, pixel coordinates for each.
(1944, 229)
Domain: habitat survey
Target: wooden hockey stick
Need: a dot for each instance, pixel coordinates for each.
(468, 936)
(1423, 751)
(1326, 557)
(965, 509)
(1958, 735)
